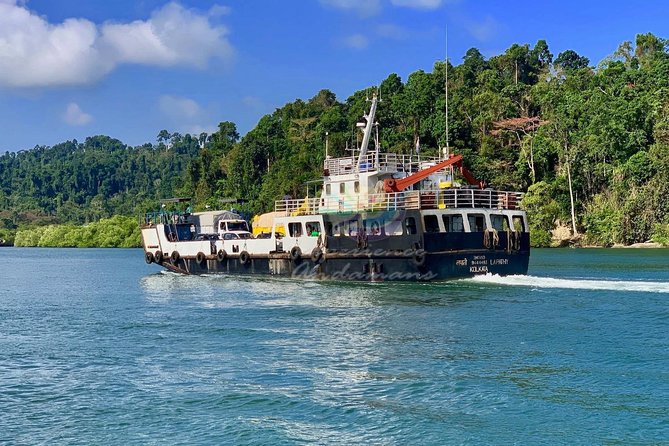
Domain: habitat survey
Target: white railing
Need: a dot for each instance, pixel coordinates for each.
(425, 199)
(381, 162)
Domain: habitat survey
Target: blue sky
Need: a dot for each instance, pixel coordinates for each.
(127, 69)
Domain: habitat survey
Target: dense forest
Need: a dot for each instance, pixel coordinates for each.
(589, 144)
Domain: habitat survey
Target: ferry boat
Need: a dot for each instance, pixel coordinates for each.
(378, 217)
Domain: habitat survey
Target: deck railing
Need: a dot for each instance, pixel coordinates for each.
(424, 199)
(381, 162)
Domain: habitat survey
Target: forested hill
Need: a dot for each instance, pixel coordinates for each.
(82, 182)
(589, 143)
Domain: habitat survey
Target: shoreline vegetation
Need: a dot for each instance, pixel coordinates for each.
(588, 144)
(114, 232)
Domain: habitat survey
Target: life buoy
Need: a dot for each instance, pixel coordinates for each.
(317, 255)
(158, 257)
(174, 256)
(148, 257)
(419, 258)
(244, 257)
(296, 253)
(200, 258)
(221, 255)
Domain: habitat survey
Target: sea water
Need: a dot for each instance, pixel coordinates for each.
(96, 347)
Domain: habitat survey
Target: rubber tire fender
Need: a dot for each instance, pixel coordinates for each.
(296, 253)
(419, 258)
(221, 255)
(244, 257)
(148, 257)
(200, 258)
(158, 257)
(317, 255)
(174, 257)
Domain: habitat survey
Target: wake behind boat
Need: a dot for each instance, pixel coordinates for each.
(379, 216)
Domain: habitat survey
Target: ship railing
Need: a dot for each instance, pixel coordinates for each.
(166, 218)
(449, 198)
(470, 198)
(378, 162)
(304, 206)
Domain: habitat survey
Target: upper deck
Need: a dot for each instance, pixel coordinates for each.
(380, 163)
(447, 198)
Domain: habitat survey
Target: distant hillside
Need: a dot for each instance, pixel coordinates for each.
(82, 182)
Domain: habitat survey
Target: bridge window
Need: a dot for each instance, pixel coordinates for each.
(356, 187)
(372, 227)
(499, 222)
(352, 228)
(342, 188)
(476, 222)
(431, 223)
(453, 223)
(313, 228)
(295, 229)
(518, 223)
(393, 227)
(328, 189)
(410, 224)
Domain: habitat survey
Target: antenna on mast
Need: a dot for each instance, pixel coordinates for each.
(447, 149)
(327, 154)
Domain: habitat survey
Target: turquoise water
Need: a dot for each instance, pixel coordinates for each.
(97, 347)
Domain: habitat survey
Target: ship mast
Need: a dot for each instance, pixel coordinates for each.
(367, 131)
(447, 149)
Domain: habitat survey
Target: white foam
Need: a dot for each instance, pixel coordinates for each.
(581, 284)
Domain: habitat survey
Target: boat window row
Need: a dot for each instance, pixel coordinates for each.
(356, 227)
(451, 222)
(342, 188)
(300, 229)
(477, 222)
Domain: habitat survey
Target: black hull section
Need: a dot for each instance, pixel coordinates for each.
(436, 256)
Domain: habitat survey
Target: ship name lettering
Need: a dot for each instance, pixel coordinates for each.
(499, 261)
(478, 269)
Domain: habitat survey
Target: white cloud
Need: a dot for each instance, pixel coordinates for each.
(356, 41)
(364, 8)
(483, 31)
(418, 4)
(390, 31)
(218, 10)
(36, 53)
(180, 108)
(367, 8)
(74, 115)
(186, 115)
